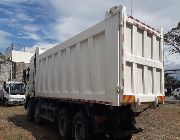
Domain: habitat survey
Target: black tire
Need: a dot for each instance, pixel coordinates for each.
(81, 127)
(64, 124)
(37, 113)
(5, 102)
(30, 110)
(176, 97)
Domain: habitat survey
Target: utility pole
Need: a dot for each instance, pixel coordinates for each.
(24, 48)
(131, 8)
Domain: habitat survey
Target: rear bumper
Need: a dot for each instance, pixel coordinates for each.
(143, 99)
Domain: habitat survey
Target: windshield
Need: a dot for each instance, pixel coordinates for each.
(16, 88)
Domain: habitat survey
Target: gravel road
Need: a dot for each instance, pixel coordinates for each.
(162, 123)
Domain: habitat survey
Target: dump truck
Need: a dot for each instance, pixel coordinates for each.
(90, 83)
(12, 93)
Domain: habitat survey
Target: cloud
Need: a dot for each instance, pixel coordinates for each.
(70, 21)
(7, 20)
(24, 17)
(6, 11)
(5, 42)
(69, 26)
(171, 61)
(13, 1)
(43, 45)
(30, 28)
(28, 35)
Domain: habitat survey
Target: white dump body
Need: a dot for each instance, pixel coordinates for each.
(117, 57)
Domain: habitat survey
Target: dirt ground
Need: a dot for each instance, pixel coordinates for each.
(162, 123)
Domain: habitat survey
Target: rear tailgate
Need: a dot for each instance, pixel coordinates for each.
(143, 72)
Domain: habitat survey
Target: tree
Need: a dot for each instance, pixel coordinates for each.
(171, 81)
(172, 38)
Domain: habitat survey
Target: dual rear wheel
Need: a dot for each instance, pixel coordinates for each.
(81, 127)
(30, 110)
(33, 111)
(37, 113)
(64, 124)
(78, 129)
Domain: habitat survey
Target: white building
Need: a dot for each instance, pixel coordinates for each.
(19, 56)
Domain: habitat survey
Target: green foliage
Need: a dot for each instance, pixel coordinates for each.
(171, 81)
(172, 38)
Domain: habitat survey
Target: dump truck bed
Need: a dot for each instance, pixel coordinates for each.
(116, 61)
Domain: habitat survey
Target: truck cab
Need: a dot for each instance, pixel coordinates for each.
(13, 92)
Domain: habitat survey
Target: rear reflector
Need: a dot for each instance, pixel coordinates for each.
(128, 98)
(161, 98)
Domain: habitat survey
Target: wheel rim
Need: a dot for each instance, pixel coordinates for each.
(79, 131)
(62, 126)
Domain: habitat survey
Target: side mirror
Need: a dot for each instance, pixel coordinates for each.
(7, 90)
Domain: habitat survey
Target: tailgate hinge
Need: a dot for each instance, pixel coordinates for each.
(118, 89)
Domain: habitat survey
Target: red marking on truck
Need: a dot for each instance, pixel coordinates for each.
(137, 20)
(144, 24)
(149, 31)
(161, 98)
(138, 26)
(128, 98)
(131, 17)
(148, 26)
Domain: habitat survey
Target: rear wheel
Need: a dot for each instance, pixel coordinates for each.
(176, 97)
(30, 110)
(37, 113)
(5, 102)
(64, 124)
(81, 128)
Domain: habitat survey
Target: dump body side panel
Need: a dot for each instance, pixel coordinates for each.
(83, 68)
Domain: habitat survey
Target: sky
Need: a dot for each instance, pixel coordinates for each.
(47, 23)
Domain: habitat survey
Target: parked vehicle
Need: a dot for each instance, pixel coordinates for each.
(176, 94)
(89, 83)
(13, 92)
